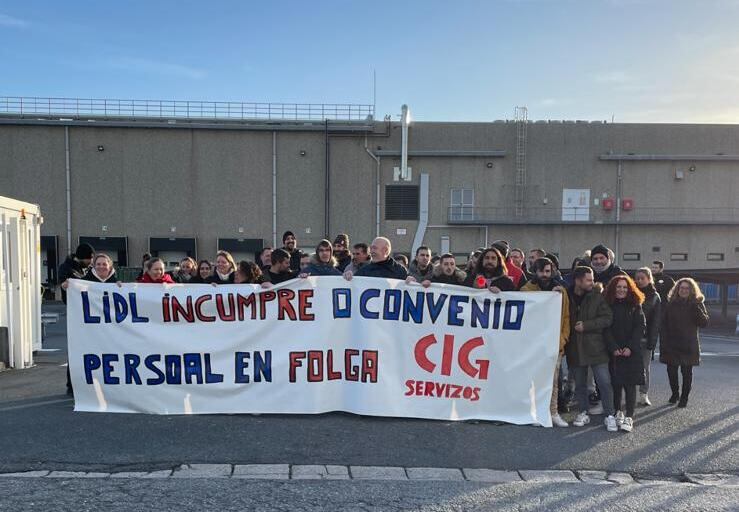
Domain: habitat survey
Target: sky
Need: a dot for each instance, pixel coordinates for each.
(461, 60)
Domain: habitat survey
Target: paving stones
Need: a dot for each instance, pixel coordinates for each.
(378, 473)
(262, 471)
(203, 471)
(548, 476)
(491, 475)
(434, 474)
(342, 472)
(320, 472)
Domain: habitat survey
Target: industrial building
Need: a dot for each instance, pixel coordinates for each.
(187, 178)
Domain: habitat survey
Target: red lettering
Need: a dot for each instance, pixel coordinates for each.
(304, 304)
(264, 298)
(420, 353)
(428, 389)
(369, 365)
(178, 310)
(219, 307)
(330, 373)
(409, 385)
(315, 366)
(446, 358)
(199, 308)
(351, 371)
(295, 362)
(165, 307)
(246, 302)
(483, 365)
(283, 304)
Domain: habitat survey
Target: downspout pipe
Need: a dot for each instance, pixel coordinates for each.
(274, 189)
(404, 120)
(619, 183)
(423, 214)
(69, 190)
(377, 184)
(327, 198)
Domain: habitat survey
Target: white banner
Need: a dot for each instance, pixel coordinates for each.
(367, 346)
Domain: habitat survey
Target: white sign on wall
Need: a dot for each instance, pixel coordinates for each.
(575, 204)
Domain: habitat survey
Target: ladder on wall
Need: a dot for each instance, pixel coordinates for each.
(521, 117)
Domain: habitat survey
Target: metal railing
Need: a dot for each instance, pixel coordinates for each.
(594, 215)
(174, 109)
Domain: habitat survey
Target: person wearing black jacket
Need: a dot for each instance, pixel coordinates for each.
(382, 264)
(602, 264)
(490, 272)
(279, 271)
(225, 269)
(679, 341)
(205, 270)
(623, 339)
(662, 282)
(341, 251)
(653, 313)
(290, 244)
(446, 272)
(102, 270)
(75, 266)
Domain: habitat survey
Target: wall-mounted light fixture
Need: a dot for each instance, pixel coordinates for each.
(302, 152)
(489, 165)
(101, 147)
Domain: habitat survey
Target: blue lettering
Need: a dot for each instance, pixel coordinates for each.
(91, 362)
(108, 360)
(508, 323)
(480, 315)
(130, 365)
(121, 307)
(455, 309)
(435, 307)
(387, 312)
(411, 310)
(210, 376)
(346, 310)
(263, 366)
(149, 363)
(173, 368)
(88, 317)
(193, 368)
(368, 294)
(242, 364)
(135, 318)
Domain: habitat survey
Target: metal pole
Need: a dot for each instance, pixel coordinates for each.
(274, 189)
(69, 190)
(328, 184)
(617, 245)
(377, 192)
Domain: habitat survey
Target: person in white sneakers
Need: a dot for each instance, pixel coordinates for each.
(543, 281)
(623, 338)
(590, 314)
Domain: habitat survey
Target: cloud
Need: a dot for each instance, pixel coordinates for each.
(9, 21)
(146, 66)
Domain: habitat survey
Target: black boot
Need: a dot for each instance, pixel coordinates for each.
(674, 397)
(674, 386)
(683, 401)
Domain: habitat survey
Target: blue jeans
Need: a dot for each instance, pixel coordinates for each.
(602, 378)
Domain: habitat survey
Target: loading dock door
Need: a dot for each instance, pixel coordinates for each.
(114, 246)
(172, 250)
(246, 249)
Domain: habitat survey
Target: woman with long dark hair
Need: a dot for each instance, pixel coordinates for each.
(324, 263)
(248, 272)
(623, 339)
(679, 345)
(204, 271)
(653, 313)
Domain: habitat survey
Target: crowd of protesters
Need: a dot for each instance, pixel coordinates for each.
(610, 326)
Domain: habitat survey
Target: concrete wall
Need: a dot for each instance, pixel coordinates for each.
(210, 183)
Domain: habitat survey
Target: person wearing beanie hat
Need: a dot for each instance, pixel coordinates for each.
(515, 273)
(290, 244)
(76, 266)
(341, 251)
(602, 264)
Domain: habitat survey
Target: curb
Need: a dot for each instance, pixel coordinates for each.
(397, 473)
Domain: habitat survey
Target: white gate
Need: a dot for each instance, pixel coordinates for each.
(20, 279)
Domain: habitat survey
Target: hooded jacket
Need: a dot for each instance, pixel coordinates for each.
(458, 277)
(418, 274)
(93, 276)
(319, 268)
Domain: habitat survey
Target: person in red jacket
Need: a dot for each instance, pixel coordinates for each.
(155, 273)
(514, 273)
